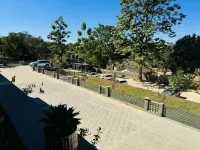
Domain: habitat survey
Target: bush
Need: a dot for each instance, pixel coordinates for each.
(163, 79)
(197, 72)
(181, 81)
(60, 121)
(151, 76)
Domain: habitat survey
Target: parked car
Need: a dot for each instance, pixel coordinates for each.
(121, 81)
(41, 63)
(2, 62)
(32, 63)
(106, 76)
(93, 74)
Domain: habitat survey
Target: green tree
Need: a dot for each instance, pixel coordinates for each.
(186, 54)
(16, 45)
(58, 35)
(143, 20)
(86, 43)
(23, 46)
(97, 45)
(162, 59)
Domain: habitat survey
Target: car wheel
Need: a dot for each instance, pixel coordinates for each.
(46, 65)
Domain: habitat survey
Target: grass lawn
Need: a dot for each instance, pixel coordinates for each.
(13, 64)
(171, 101)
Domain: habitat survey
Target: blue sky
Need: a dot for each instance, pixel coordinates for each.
(36, 16)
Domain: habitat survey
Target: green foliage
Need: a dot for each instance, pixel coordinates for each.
(84, 26)
(58, 35)
(84, 132)
(151, 76)
(181, 81)
(97, 45)
(141, 20)
(60, 121)
(197, 72)
(23, 46)
(162, 59)
(186, 54)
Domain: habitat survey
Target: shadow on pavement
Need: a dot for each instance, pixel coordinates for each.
(83, 144)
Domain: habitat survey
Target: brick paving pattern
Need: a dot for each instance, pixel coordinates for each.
(124, 127)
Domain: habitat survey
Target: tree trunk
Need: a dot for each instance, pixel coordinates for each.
(60, 58)
(140, 73)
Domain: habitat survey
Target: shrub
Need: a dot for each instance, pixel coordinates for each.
(163, 79)
(60, 121)
(181, 81)
(197, 72)
(151, 76)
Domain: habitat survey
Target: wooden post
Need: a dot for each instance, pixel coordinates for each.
(43, 71)
(147, 103)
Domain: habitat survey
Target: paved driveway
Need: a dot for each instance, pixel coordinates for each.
(124, 127)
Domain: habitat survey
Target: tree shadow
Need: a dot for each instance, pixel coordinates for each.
(83, 144)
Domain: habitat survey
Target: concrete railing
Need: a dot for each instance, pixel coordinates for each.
(154, 107)
(105, 90)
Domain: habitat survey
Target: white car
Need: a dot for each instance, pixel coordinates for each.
(106, 76)
(93, 74)
(41, 63)
(121, 81)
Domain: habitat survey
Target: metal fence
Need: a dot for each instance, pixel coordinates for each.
(49, 73)
(65, 78)
(89, 86)
(74, 81)
(128, 98)
(183, 117)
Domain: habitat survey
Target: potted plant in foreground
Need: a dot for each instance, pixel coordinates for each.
(61, 125)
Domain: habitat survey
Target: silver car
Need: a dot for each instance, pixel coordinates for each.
(122, 81)
(41, 63)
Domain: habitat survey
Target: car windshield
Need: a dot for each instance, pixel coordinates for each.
(108, 75)
(122, 81)
(44, 62)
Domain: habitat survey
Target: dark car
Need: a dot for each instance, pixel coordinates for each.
(2, 62)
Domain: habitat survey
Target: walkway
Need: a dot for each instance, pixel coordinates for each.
(124, 127)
